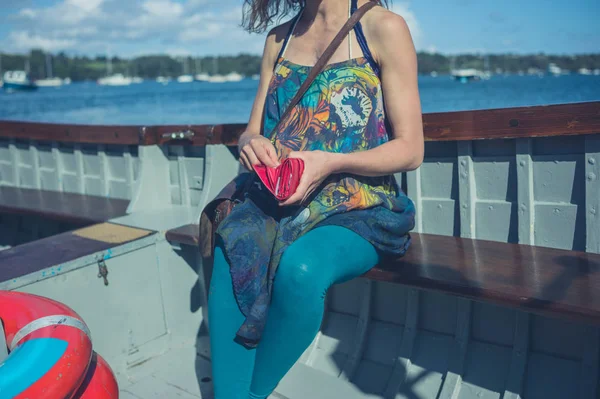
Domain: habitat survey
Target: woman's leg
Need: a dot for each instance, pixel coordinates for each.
(232, 363)
(320, 258)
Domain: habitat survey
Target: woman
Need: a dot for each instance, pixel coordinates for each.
(278, 259)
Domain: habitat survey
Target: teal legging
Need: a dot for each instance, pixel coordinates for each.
(324, 256)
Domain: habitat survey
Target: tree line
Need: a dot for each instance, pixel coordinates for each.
(78, 68)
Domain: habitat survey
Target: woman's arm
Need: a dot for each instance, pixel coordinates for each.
(254, 148)
(393, 48)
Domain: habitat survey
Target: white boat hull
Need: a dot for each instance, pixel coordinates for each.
(115, 80)
(51, 82)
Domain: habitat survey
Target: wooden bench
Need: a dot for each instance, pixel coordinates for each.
(62, 206)
(58, 250)
(560, 283)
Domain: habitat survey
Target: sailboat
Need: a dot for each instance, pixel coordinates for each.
(217, 78)
(49, 81)
(117, 79)
(200, 76)
(163, 80)
(186, 77)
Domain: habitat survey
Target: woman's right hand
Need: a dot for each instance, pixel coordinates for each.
(255, 150)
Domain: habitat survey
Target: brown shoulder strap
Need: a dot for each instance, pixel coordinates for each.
(322, 62)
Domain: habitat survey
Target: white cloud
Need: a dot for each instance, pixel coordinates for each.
(198, 18)
(86, 5)
(431, 49)
(403, 9)
(234, 14)
(204, 31)
(128, 27)
(178, 52)
(163, 8)
(26, 40)
(78, 32)
(28, 13)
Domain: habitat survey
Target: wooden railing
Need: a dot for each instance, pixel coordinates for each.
(535, 121)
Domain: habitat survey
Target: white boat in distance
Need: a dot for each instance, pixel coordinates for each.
(230, 77)
(18, 81)
(49, 82)
(185, 79)
(467, 74)
(554, 69)
(202, 77)
(115, 80)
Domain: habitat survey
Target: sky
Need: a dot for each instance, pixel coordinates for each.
(130, 28)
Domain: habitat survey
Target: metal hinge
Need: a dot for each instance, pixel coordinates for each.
(186, 134)
(102, 271)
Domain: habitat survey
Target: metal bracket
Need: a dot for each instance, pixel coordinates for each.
(182, 135)
(102, 271)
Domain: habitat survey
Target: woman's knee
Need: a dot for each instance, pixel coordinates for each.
(300, 276)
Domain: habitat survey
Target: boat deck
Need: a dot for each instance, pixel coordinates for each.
(182, 373)
(179, 373)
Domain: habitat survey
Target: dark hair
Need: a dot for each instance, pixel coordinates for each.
(259, 14)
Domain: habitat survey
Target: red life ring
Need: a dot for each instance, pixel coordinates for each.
(49, 348)
(99, 382)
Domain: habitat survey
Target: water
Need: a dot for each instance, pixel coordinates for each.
(151, 103)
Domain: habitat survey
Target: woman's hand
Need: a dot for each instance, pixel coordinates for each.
(256, 149)
(318, 165)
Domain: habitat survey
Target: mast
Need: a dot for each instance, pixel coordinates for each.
(108, 62)
(48, 66)
(186, 68)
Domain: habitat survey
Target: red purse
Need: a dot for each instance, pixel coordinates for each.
(283, 180)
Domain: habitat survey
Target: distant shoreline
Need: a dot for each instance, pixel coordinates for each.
(81, 68)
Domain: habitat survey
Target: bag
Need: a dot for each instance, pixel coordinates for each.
(218, 209)
(288, 175)
(283, 180)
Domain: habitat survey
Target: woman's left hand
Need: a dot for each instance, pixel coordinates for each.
(317, 166)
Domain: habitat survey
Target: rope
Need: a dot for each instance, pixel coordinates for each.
(3, 347)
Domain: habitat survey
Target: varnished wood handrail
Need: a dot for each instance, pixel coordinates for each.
(535, 121)
(93, 134)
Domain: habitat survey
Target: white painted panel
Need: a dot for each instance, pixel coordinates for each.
(123, 315)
